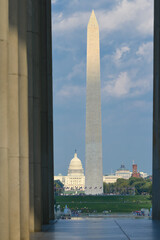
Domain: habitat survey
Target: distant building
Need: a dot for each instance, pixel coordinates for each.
(122, 172)
(110, 178)
(135, 172)
(143, 175)
(75, 180)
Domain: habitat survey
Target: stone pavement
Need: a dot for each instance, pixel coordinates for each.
(101, 229)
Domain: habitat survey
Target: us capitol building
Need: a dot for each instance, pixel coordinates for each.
(75, 179)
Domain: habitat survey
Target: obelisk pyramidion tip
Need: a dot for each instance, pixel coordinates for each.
(93, 20)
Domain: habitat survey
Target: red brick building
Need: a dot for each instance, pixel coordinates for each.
(135, 173)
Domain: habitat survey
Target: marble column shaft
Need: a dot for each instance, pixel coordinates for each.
(4, 216)
(50, 111)
(46, 114)
(156, 114)
(34, 94)
(25, 82)
(13, 123)
(40, 106)
(23, 120)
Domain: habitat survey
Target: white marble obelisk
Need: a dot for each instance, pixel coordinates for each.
(93, 162)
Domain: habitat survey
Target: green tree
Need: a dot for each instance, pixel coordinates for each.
(142, 186)
(58, 187)
(130, 186)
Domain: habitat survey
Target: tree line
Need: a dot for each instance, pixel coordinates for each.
(131, 186)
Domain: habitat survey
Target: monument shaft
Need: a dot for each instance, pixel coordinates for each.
(93, 163)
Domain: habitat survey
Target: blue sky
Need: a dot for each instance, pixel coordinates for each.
(126, 52)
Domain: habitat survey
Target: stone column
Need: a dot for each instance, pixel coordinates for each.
(33, 39)
(23, 120)
(50, 110)
(30, 110)
(44, 114)
(13, 123)
(40, 120)
(4, 224)
(156, 114)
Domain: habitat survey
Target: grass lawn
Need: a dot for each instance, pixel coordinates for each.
(116, 204)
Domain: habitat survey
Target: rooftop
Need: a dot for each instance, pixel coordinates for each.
(122, 167)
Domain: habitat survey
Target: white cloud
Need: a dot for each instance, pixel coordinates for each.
(63, 49)
(76, 73)
(76, 20)
(146, 51)
(133, 15)
(54, 1)
(118, 87)
(78, 69)
(70, 91)
(120, 51)
(123, 86)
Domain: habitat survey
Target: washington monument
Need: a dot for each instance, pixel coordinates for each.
(93, 162)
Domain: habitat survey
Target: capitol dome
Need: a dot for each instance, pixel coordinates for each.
(75, 166)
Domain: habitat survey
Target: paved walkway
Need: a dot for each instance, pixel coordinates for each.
(101, 229)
